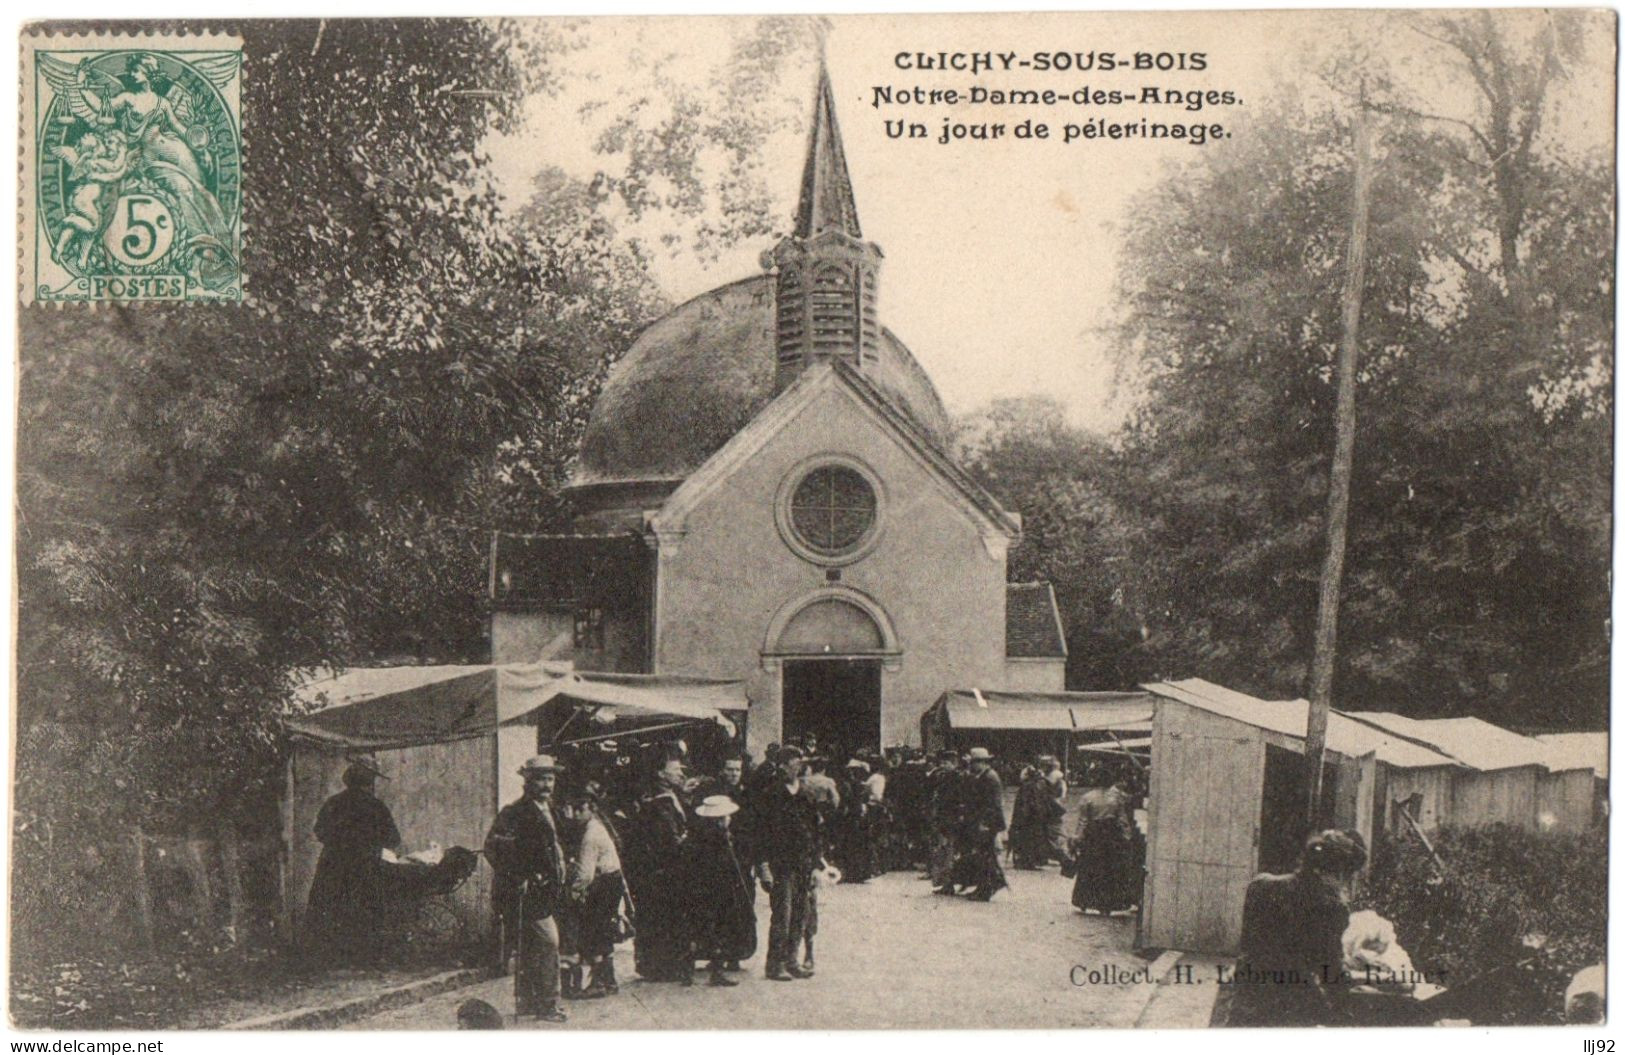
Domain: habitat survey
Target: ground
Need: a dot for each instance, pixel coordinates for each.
(893, 955)
(204, 993)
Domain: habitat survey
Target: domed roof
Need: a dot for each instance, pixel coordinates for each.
(699, 374)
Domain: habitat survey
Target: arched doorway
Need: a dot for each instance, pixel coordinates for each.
(831, 651)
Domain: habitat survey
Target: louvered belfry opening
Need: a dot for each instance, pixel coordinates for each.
(825, 272)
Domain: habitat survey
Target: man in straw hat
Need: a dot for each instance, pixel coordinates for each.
(346, 894)
(524, 851)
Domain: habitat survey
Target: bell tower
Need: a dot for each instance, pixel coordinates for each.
(825, 272)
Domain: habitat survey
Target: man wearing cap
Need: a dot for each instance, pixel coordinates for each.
(346, 894)
(523, 849)
(984, 820)
(597, 888)
(788, 852)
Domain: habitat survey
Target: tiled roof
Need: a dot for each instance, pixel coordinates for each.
(1032, 622)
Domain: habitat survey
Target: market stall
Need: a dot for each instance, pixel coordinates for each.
(449, 741)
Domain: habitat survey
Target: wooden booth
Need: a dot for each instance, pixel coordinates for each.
(1227, 779)
(1506, 778)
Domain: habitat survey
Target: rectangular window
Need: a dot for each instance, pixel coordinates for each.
(589, 635)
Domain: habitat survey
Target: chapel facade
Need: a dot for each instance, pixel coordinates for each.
(764, 492)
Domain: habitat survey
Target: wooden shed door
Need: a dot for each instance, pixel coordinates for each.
(1203, 848)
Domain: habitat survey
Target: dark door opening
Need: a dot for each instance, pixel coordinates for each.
(836, 700)
(1282, 826)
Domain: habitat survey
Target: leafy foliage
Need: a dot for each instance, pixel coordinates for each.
(1478, 555)
(1075, 532)
(690, 149)
(214, 497)
(1530, 907)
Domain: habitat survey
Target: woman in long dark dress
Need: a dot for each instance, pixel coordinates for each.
(857, 828)
(342, 916)
(1105, 850)
(1028, 820)
(718, 902)
(655, 871)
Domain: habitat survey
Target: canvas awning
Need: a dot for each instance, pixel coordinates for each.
(696, 699)
(1116, 747)
(1046, 711)
(375, 708)
(391, 707)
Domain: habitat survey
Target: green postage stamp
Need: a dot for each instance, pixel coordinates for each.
(132, 167)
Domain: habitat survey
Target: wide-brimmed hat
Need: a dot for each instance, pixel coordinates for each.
(363, 769)
(540, 764)
(858, 763)
(716, 806)
(979, 754)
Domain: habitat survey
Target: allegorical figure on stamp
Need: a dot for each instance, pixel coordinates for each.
(95, 164)
(167, 141)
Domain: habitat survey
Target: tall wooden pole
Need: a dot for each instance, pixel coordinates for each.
(1337, 499)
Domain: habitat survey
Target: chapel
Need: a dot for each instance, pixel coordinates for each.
(764, 492)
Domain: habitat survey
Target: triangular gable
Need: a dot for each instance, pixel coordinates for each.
(795, 399)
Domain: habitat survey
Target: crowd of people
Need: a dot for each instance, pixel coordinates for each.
(668, 847)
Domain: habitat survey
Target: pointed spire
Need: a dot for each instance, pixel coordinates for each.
(826, 188)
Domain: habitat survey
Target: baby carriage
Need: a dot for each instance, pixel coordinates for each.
(417, 893)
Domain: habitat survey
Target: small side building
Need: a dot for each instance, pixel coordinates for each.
(1580, 759)
(1034, 639)
(1227, 778)
(1506, 779)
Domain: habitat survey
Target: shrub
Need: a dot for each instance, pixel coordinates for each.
(1504, 893)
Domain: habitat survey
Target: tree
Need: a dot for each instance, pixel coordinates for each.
(1065, 483)
(1477, 567)
(215, 498)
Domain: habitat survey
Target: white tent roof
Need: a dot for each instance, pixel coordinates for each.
(1471, 741)
(522, 691)
(1577, 751)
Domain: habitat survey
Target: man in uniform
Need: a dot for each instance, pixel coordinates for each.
(523, 848)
